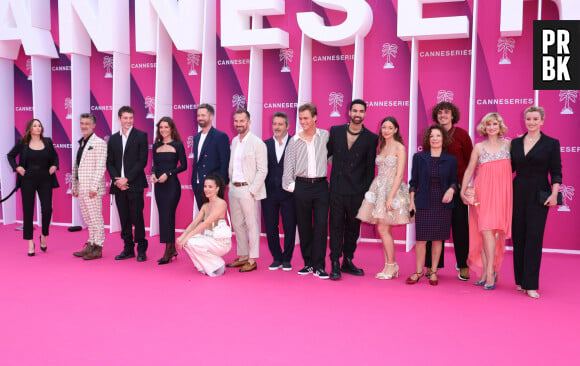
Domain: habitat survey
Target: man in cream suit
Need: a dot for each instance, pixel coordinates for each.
(89, 185)
(247, 170)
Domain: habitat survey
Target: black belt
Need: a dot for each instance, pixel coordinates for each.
(310, 180)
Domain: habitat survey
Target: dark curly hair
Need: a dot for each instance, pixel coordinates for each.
(219, 182)
(427, 135)
(446, 106)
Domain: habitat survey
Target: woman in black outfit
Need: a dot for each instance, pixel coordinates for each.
(534, 156)
(168, 150)
(36, 167)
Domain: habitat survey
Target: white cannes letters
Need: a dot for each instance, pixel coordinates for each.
(411, 24)
(358, 22)
(512, 15)
(235, 20)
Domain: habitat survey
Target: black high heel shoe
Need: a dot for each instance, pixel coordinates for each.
(43, 248)
(170, 253)
(31, 254)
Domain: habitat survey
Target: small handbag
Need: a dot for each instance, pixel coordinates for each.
(543, 196)
(222, 230)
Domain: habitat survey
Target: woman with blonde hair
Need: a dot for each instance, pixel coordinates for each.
(490, 197)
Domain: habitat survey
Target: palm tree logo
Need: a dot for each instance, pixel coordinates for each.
(286, 56)
(150, 105)
(190, 146)
(192, 61)
(568, 96)
(335, 100)
(68, 107)
(68, 182)
(238, 101)
(567, 194)
(149, 186)
(444, 96)
(108, 65)
(29, 68)
(505, 46)
(389, 50)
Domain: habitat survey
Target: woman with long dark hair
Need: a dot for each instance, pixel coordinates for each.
(432, 186)
(387, 202)
(36, 167)
(204, 238)
(168, 160)
(534, 157)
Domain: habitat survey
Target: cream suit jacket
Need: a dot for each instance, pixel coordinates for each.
(91, 170)
(254, 164)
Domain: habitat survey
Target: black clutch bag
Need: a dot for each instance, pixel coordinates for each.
(543, 196)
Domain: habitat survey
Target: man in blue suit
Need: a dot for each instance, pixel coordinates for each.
(211, 152)
(278, 200)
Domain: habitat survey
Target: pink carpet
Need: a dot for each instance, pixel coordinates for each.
(60, 310)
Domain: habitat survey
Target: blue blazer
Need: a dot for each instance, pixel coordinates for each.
(214, 157)
(419, 182)
(275, 171)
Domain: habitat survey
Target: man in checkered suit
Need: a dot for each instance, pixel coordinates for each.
(89, 185)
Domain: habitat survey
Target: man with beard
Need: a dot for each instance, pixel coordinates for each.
(278, 201)
(247, 169)
(211, 153)
(353, 150)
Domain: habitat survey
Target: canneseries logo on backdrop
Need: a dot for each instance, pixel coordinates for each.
(335, 100)
(568, 96)
(108, 66)
(29, 68)
(557, 55)
(286, 56)
(68, 107)
(567, 195)
(389, 51)
(150, 107)
(444, 96)
(192, 62)
(505, 46)
(238, 101)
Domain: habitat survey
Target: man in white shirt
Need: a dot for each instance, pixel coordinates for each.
(247, 171)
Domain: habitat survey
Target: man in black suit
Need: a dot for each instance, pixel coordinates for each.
(278, 200)
(211, 152)
(127, 153)
(353, 150)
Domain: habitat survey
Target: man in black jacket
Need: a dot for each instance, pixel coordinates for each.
(353, 150)
(127, 153)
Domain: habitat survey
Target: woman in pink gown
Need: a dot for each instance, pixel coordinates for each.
(490, 200)
(198, 239)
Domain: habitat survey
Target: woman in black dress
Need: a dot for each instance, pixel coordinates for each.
(432, 185)
(168, 151)
(36, 167)
(534, 156)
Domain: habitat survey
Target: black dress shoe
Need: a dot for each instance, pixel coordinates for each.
(350, 268)
(335, 272)
(141, 257)
(125, 255)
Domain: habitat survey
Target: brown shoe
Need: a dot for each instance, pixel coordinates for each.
(237, 263)
(463, 274)
(96, 253)
(86, 250)
(249, 267)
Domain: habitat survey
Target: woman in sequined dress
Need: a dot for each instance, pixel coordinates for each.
(387, 201)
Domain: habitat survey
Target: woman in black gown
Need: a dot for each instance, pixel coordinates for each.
(168, 151)
(36, 167)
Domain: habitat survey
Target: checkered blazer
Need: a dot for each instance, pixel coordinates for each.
(91, 170)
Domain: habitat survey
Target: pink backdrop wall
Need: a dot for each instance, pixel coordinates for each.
(504, 85)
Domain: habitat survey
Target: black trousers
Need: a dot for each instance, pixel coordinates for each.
(344, 227)
(198, 193)
(460, 232)
(167, 196)
(311, 201)
(130, 206)
(29, 186)
(272, 207)
(528, 224)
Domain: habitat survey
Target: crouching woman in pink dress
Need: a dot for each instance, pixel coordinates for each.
(201, 240)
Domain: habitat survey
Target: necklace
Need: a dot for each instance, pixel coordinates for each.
(532, 140)
(351, 131)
